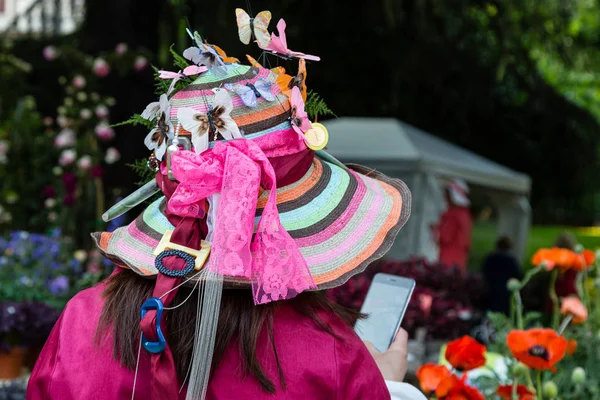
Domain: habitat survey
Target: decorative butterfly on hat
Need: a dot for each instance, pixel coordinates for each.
(187, 72)
(278, 45)
(253, 27)
(287, 82)
(206, 55)
(255, 64)
(217, 120)
(250, 92)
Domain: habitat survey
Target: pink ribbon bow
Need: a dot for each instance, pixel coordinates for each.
(237, 169)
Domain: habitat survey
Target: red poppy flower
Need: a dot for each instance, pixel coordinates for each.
(461, 391)
(465, 354)
(505, 392)
(538, 348)
(574, 306)
(571, 347)
(431, 375)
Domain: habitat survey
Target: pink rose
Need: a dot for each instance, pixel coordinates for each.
(101, 67)
(85, 163)
(50, 53)
(140, 63)
(85, 114)
(66, 138)
(67, 157)
(112, 155)
(104, 132)
(121, 49)
(101, 111)
(79, 82)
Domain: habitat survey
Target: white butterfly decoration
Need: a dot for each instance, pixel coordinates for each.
(249, 92)
(160, 135)
(257, 27)
(216, 119)
(205, 55)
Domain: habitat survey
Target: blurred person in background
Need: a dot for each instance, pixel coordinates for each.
(498, 268)
(453, 232)
(566, 282)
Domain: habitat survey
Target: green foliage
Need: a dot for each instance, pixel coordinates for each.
(144, 172)
(316, 106)
(178, 60)
(137, 119)
(161, 85)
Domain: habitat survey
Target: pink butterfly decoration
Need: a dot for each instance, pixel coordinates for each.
(299, 121)
(188, 71)
(278, 45)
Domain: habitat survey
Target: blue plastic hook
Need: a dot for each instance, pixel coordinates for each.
(158, 346)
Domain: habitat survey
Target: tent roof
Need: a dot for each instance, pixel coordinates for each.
(386, 141)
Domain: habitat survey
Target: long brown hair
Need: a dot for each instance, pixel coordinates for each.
(239, 320)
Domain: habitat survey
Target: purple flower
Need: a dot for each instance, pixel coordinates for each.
(59, 286)
(48, 192)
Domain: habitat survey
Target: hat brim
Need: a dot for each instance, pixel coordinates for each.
(342, 220)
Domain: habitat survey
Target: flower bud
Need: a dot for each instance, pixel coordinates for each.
(513, 285)
(550, 390)
(520, 369)
(579, 248)
(578, 375)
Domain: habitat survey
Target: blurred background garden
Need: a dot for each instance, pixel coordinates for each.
(502, 94)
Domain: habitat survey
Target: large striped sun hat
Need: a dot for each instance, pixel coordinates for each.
(341, 218)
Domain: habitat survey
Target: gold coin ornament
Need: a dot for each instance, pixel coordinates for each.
(316, 137)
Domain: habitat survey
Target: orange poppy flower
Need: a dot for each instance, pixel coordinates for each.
(505, 392)
(571, 347)
(538, 348)
(574, 307)
(461, 391)
(465, 354)
(583, 260)
(589, 257)
(431, 376)
(543, 256)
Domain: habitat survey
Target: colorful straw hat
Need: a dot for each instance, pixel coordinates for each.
(250, 199)
(341, 220)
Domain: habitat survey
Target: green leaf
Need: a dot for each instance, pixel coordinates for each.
(315, 106)
(137, 119)
(141, 168)
(178, 60)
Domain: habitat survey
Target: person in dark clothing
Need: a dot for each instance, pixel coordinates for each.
(498, 268)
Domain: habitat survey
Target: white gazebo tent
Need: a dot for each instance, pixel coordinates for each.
(425, 163)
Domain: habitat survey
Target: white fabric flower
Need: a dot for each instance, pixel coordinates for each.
(158, 138)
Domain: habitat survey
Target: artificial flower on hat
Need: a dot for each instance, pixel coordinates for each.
(573, 306)
(465, 354)
(538, 348)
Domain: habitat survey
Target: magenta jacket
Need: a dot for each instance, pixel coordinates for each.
(315, 364)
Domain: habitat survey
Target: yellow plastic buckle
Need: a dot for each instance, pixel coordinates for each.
(200, 256)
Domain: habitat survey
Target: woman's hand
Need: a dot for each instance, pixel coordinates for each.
(393, 363)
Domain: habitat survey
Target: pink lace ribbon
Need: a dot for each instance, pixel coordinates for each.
(237, 169)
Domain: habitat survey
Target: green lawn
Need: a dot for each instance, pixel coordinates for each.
(484, 238)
